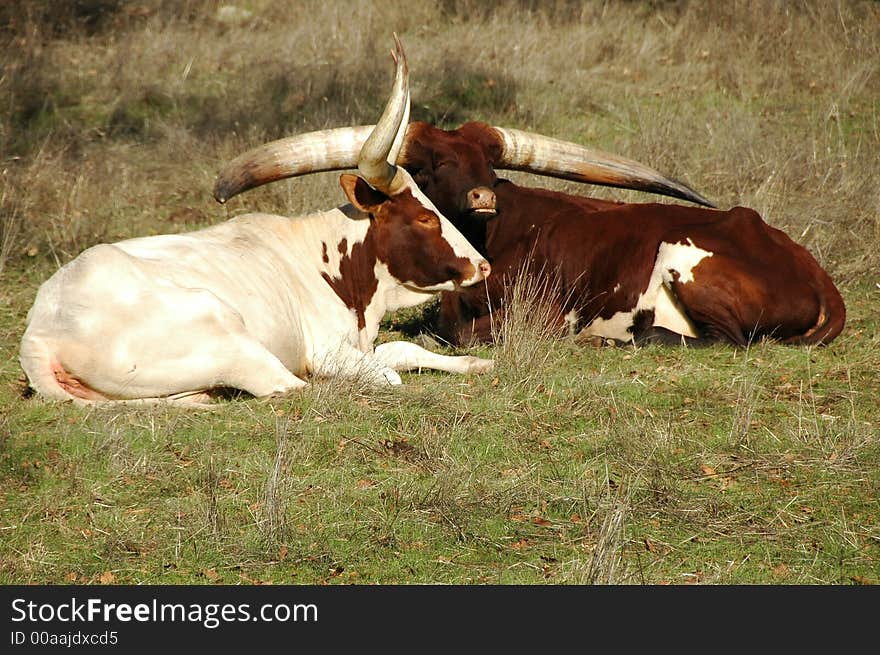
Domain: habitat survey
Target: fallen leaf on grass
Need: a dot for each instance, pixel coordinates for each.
(107, 577)
(780, 570)
(708, 470)
(522, 543)
(212, 575)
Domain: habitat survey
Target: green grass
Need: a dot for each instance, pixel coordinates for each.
(569, 464)
(647, 466)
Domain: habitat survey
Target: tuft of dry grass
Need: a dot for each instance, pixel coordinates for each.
(528, 323)
(607, 555)
(274, 526)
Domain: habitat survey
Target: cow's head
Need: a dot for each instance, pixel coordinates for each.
(455, 168)
(419, 247)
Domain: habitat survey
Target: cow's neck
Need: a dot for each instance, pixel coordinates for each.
(352, 269)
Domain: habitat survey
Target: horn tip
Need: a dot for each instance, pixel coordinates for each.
(221, 192)
(698, 198)
(398, 55)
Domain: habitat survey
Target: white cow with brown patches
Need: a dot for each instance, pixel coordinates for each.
(257, 303)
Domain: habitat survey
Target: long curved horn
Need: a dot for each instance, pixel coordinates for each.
(533, 153)
(326, 150)
(314, 152)
(373, 161)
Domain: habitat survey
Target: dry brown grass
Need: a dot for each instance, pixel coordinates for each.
(116, 118)
(528, 324)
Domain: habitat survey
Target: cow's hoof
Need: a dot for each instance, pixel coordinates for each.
(390, 377)
(477, 365)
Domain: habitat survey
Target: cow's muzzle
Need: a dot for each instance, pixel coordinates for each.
(475, 270)
(480, 202)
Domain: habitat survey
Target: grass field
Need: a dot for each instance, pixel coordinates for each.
(568, 464)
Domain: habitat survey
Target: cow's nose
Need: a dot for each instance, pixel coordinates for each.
(481, 200)
(485, 268)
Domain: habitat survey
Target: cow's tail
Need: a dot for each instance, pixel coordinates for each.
(831, 317)
(40, 364)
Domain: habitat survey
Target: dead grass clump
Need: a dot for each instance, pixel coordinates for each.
(214, 514)
(10, 225)
(607, 511)
(272, 520)
(529, 322)
(607, 555)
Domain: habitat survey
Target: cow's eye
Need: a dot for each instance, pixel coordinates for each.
(428, 220)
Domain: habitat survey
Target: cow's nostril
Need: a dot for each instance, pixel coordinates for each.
(485, 268)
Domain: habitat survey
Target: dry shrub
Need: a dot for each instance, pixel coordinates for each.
(10, 224)
(528, 323)
(272, 519)
(608, 552)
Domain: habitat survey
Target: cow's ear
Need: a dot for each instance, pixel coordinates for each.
(361, 194)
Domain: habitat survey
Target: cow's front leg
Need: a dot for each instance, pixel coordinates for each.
(350, 363)
(244, 363)
(406, 356)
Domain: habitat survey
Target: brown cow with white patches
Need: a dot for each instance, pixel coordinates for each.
(257, 303)
(639, 273)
